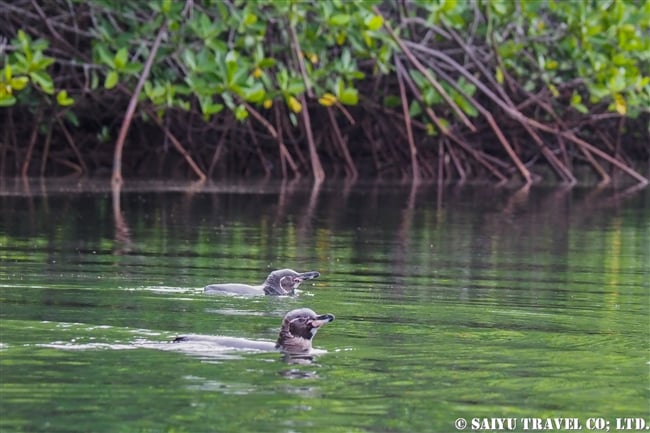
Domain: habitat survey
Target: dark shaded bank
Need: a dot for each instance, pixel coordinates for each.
(495, 91)
(377, 148)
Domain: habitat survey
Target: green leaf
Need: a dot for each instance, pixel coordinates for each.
(7, 100)
(266, 63)
(231, 66)
(617, 81)
(509, 49)
(392, 101)
(499, 75)
(597, 92)
(619, 104)
(63, 99)
(339, 88)
(18, 83)
(43, 80)
(250, 41)
(21, 65)
(104, 55)
(166, 6)
(346, 59)
(414, 109)
(580, 108)
(231, 57)
(293, 119)
(25, 42)
(241, 113)
(40, 61)
(111, 80)
(8, 72)
(156, 94)
(148, 88)
(208, 107)
(104, 135)
(367, 38)
(227, 98)
(132, 68)
(430, 96)
(349, 96)
(94, 80)
(339, 20)
(169, 92)
(374, 22)
(189, 59)
(576, 98)
(255, 93)
(121, 58)
(182, 89)
(185, 105)
(241, 76)
(204, 26)
(296, 86)
(283, 79)
(449, 5)
(250, 19)
(499, 7)
(71, 117)
(22, 37)
(466, 106)
(466, 86)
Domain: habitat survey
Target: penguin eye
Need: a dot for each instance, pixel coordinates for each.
(300, 322)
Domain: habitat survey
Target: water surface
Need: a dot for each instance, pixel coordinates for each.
(450, 302)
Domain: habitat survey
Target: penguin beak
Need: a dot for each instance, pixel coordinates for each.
(306, 276)
(322, 320)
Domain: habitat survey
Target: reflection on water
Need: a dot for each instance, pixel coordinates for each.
(450, 302)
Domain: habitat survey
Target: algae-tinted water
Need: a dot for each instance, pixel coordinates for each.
(455, 303)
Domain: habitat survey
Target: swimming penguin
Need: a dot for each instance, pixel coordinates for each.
(280, 282)
(295, 338)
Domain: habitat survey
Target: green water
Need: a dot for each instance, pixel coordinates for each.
(465, 302)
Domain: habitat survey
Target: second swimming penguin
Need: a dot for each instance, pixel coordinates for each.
(278, 283)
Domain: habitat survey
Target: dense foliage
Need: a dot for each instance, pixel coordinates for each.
(439, 89)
